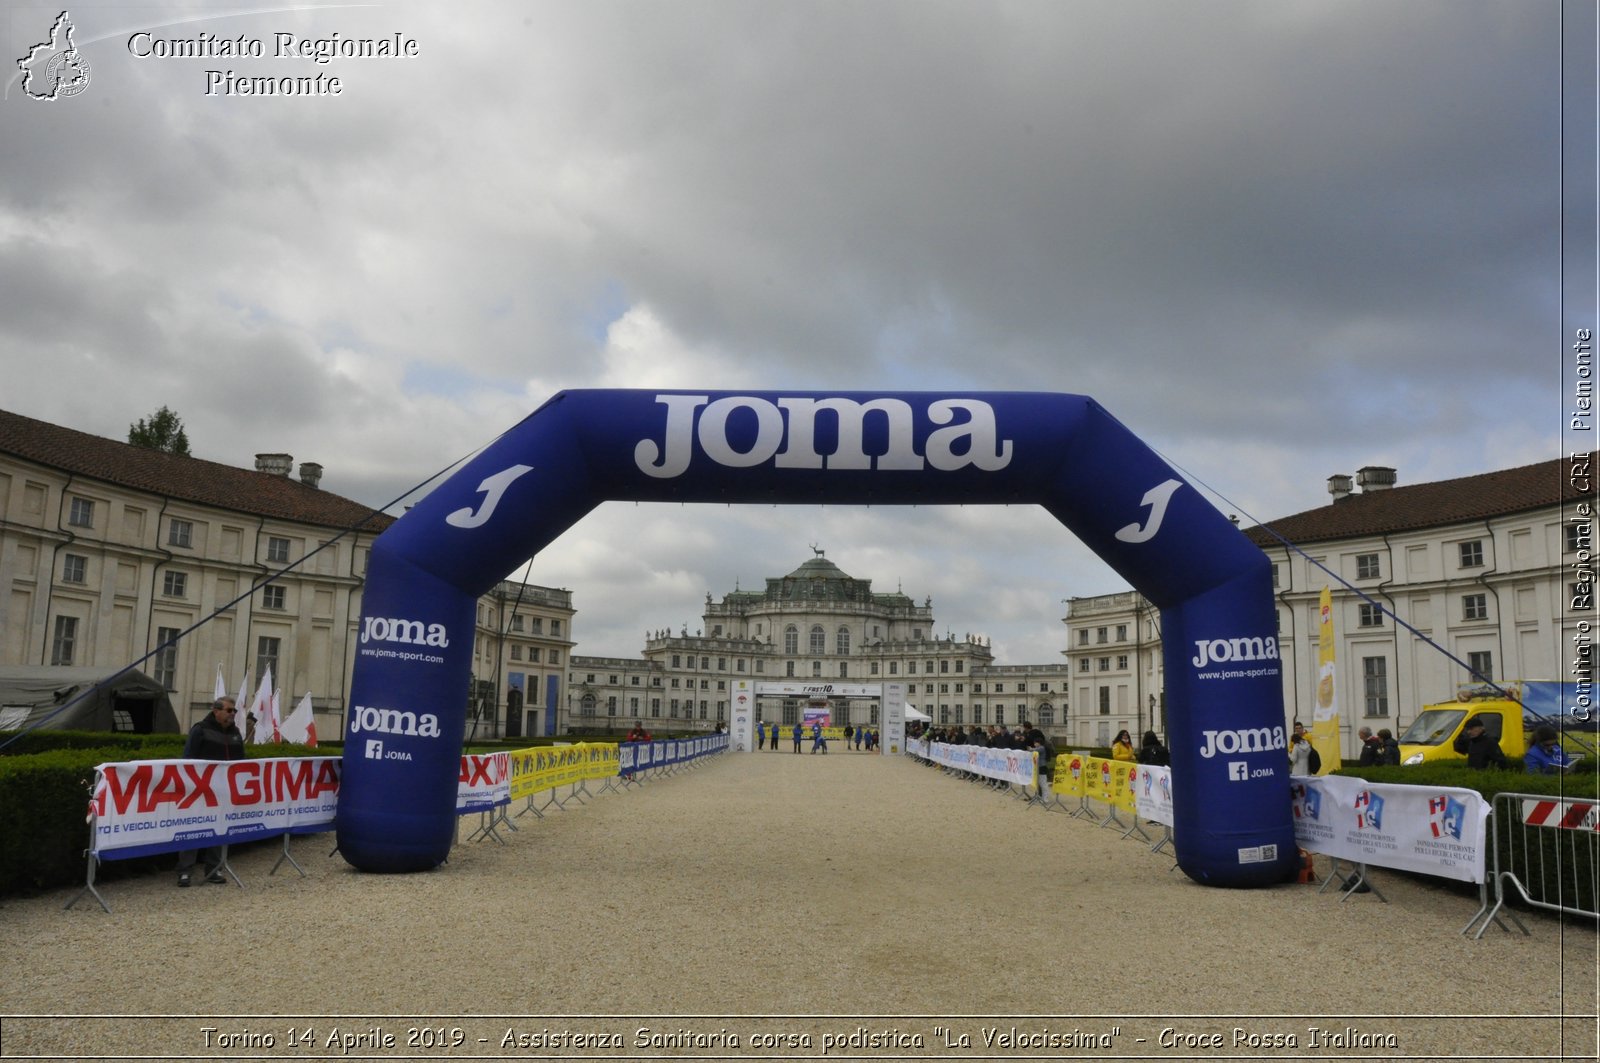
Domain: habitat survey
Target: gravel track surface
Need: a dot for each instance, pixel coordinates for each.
(866, 892)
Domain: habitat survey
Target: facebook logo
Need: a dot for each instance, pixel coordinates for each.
(374, 749)
(1238, 770)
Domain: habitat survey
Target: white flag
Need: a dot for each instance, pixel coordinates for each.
(242, 704)
(221, 689)
(301, 726)
(266, 714)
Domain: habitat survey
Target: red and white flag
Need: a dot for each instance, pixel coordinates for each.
(301, 726)
(266, 710)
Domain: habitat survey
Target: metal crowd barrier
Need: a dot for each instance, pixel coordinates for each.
(1547, 849)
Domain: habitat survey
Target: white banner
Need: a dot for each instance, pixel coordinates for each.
(156, 806)
(1431, 830)
(1018, 766)
(484, 782)
(1152, 795)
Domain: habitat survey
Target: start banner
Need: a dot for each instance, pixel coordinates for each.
(484, 782)
(145, 807)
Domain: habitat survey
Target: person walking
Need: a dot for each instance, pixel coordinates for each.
(215, 737)
(797, 734)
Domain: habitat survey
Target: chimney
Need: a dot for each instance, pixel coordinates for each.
(276, 464)
(1339, 486)
(310, 473)
(1375, 478)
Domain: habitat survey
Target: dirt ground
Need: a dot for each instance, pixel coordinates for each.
(778, 906)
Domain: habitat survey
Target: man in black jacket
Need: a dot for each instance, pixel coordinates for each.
(1482, 749)
(215, 737)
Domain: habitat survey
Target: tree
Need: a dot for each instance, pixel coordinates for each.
(162, 431)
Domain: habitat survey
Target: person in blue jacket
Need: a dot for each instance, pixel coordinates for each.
(1545, 756)
(797, 733)
(774, 736)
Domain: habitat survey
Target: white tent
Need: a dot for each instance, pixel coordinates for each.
(917, 715)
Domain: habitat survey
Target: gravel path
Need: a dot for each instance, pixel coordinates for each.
(870, 893)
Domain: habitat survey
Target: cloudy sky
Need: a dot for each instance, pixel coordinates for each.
(1277, 239)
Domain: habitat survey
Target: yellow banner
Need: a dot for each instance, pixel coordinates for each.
(1325, 714)
(1068, 780)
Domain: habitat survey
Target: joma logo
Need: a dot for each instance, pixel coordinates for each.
(1251, 740)
(410, 632)
(393, 721)
(786, 435)
(1221, 651)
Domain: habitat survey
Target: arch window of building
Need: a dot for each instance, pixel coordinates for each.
(791, 639)
(841, 641)
(1047, 715)
(586, 705)
(818, 639)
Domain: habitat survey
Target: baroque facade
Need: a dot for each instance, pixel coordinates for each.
(112, 554)
(816, 639)
(1430, 583)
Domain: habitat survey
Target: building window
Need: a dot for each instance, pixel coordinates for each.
(1481, 663)
(165, 669)
(1472, 554)
(1375, 685)
(927, 667)
(65, 640)
(894, 667)
(791, 639)
(1047, 716)
(1083, 636)
(555, 629)
(516, 653)
(1578, 537)
(1122, 632)
(180, 533)
(789, 669)
(1105, 701)
(555, 656)
(818, 639)
(816, 669)
(272, 597)
(536, 625)
(1370, 615)
(516, 622)
(1102, 664)
(1474, 607)
(841, 641)
(844, 669)
(1083, 664)
(1368, 567)
(1100, 634)
(277, 549)
(74, 569)
(81, 514)
(174, 584)
(586, 705)
(267, 654)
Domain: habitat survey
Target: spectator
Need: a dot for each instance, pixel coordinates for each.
(1545, 756)
(1389, 751)
(1481, 748)
(1122, 747)
(1300, 752)
(638, 734)
(215, 737)
(796, 736)
(1151, 751)
(1371, 747)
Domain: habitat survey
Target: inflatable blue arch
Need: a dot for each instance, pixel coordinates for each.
(1064, 452)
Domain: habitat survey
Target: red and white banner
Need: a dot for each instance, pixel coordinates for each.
(484, 783)
(157, 806)
(1567, 815)
(1019, 766)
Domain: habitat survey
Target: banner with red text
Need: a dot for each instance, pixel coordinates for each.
(145, 807)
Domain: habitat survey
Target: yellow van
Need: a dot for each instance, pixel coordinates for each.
(1432, 735)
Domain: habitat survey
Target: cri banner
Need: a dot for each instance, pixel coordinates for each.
(1432, 830)
(158, 806)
